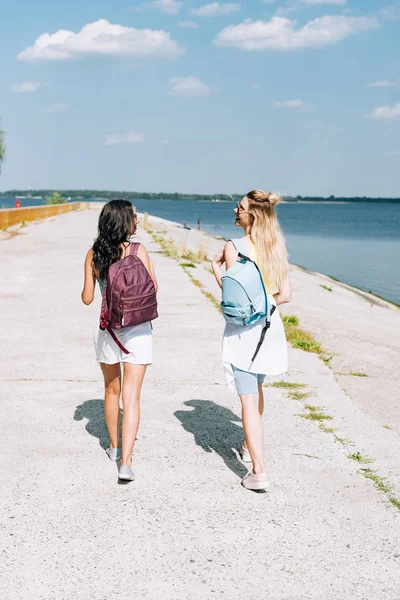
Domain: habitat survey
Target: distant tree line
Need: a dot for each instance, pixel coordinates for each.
(56, 196)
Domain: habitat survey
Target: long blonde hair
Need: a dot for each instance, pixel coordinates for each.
(267, 236)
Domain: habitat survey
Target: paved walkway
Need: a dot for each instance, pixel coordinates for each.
(185, 528)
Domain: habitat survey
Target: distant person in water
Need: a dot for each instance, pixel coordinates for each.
(264, 244)
(117, 225)
(199, 223)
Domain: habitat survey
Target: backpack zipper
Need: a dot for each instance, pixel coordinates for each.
(135, 297)
(138, 308)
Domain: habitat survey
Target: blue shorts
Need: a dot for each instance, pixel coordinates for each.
(247, 383)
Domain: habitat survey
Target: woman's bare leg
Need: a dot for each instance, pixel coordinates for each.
(260, 399)
(253, 430)
(112, 384)
(260, 407)
(131, 388)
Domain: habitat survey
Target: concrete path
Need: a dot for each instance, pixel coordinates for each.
(185, 528)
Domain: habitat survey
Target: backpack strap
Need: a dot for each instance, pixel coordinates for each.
(104, 323)
(134, 249)
(264, 331)
(239, 247)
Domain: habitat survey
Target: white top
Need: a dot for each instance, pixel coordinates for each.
(240, 343)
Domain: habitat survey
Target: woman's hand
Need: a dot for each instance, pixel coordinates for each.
(219, 259)
(217, 266)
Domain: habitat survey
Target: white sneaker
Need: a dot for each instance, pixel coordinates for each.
(245, 455)
(254, 482)
(113, 453)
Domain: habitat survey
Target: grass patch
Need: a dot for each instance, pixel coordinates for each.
(326, 359)
(329, 289)
(395, 502)
(296, 395)
(207, 294)
(315, 413)
(292, 319)
(196, 257)
(388, 427)
(287, 385)
(358, 457)
(299, 338)
(379, 482)
(358, 374)
(344, 441)
(326, 429)
(188, 265)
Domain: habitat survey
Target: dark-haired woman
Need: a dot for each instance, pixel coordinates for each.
(117, 224)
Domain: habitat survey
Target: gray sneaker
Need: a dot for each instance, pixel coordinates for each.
(257, 483)
(113, 453)
(125, 473)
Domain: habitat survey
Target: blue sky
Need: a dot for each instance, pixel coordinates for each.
(297, 96)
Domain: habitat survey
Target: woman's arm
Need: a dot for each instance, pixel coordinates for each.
(227, 255)
(285, 293)
(89, 281)
(144, 257)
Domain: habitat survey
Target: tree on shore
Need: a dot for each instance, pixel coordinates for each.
(2, 148)
(55, 198)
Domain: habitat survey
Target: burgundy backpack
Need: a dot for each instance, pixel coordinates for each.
(129, 296)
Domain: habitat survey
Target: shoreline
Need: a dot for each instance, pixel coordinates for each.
(372, 298)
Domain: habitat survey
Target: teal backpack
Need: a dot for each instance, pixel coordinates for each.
(244, 297)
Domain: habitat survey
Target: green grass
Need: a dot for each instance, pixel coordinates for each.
(287, 385)
(395, 502)
(207, 294)
(326, 429)
(358, 457)
(188, 265)
(388, 427)
(329, 289)
(292, 319)
(299, 338)
(315, 413)
(358, 374)
(379, 482)
(296, 395)
(344, 441)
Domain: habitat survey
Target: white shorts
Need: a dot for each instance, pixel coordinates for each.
(137, 340)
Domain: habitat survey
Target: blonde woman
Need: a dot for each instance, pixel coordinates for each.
(263, 243)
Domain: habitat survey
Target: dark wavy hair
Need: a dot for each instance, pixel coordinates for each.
(116, 225)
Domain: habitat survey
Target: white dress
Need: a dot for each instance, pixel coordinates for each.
(137, 340)
(239, 345)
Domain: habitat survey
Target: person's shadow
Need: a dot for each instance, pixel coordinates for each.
(215, 429)
(93, 411)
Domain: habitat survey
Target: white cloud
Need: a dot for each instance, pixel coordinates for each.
(54, 108)
(381, 84)
(280, 33)
(216, 9)
(188, 24)
(26, 86)
(189, 86)
(124, 138)
(391, 12)
(254, 86)
(169, 7)
(388, 113)
(338, 2)
(297, 104)
(101, 38)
